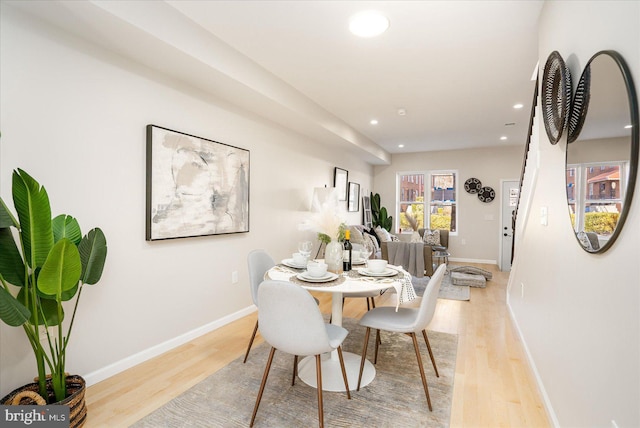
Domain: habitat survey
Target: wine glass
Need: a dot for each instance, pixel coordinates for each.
(304, 248)
(366, 251)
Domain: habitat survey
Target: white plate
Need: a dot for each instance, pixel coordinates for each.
(329, 276)
(291, 263)
(358, 262)
(386, 272)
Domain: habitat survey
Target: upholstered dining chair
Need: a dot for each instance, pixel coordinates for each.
(290, 321)
(368, 295)
(259, 263)
(407, 320)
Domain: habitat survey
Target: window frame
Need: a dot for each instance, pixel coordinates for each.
(427, 177)
(456, 178)
(399, 195)
(585, 193)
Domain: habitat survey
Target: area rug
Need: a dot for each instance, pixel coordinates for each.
(447, 290)
(395, 398)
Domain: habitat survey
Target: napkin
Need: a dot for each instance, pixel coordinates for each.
(405, 290)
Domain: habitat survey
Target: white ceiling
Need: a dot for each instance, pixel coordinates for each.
(457, 67)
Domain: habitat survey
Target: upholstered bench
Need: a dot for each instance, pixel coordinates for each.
(472, 280)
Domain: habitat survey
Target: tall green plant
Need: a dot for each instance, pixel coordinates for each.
(44, 264)
(379, 215)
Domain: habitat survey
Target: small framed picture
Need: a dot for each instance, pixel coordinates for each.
(366, 211)
(340, 180)
(353, 202)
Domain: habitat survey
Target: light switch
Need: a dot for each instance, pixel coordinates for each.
(544, 216)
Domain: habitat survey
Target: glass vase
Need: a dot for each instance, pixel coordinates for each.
(333, 257)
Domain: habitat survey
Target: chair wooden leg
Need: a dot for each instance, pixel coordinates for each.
(424, 378)
(375, 358)
(295, 370)
(264, 382)
(373, 305)
(253, 336)
(319, 388)
(433, 361)
(344, 372)
(364, 355)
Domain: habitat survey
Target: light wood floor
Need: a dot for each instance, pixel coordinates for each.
(493, 385)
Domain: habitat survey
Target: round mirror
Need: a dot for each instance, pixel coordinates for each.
(602, 156)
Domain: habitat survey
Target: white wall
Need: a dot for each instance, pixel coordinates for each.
(74, 117)
(579, 315)
(478, 222)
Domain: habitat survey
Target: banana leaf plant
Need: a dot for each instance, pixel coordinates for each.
(44, 263)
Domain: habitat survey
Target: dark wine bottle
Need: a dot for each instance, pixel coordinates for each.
(346, 255)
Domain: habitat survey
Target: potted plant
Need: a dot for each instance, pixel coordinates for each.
(379, 214)
(43, 265)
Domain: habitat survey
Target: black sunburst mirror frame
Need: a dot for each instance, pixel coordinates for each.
(556, 96)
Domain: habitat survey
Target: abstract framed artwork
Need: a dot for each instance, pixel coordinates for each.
(340, 180)
(195, 186)
(353, 202)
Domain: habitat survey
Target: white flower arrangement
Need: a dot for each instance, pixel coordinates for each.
(327, 217)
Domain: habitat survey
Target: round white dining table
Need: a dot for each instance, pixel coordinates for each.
(345, 285)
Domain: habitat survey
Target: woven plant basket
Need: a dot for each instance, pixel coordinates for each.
(28, 395)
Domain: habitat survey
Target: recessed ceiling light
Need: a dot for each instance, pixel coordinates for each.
(401, 145)
(503, 138)
(369, 23)
(628, 127)
(402, 112)
(373, 121)
(518, 105)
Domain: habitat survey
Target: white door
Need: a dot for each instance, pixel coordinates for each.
(510, 190)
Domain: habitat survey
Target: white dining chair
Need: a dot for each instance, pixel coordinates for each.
(290, 321)
(406, 320)
(368, 295)
(259, 263)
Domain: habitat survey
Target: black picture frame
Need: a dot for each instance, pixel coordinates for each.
(340, 180)
(353, 201)
(366, 212)
(195, 186)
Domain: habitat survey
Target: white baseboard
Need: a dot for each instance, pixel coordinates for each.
(543, 392)
(133, 360)
(486, 262)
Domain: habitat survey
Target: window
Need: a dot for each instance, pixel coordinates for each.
(442, 205)
(571, 190)
(411, 202)
(595, 193)
(415, 201)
